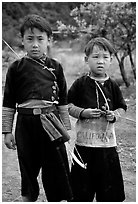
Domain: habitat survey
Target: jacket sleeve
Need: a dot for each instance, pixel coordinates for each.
(74, 111)
(9, 100)
(73, 100)
(62, 85)
(62, 94)
(64, 116)
(118, 97)
(7, 119)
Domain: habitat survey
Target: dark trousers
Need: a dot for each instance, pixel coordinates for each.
(35, 152)
(102, 178)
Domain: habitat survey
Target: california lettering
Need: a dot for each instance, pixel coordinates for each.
(90, 137)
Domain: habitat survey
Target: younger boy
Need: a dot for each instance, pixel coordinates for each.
(94, 100)
(36, 87)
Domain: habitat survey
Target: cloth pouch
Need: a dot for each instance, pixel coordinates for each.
(54, 127)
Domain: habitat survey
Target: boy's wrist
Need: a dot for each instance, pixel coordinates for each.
(81, 116)
(5, 133)
(113, 121)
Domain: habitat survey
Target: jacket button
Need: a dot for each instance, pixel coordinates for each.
(53, 98)
(54, 87)
(54, 92)
(55, 83)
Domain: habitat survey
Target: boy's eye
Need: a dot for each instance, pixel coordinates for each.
(29, 38)
(95, 56)
(40, 39)
(106, 57)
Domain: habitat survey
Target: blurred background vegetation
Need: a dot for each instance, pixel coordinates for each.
(73, 24)
(13, 14)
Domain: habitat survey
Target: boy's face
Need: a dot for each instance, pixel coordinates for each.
(35, 42)
(99, 61)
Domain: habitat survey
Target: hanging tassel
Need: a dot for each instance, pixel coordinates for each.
(80, 163)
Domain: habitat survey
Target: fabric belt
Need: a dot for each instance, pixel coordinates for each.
(51, 124)
(36, 111)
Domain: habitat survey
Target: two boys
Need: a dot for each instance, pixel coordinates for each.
(36, 87)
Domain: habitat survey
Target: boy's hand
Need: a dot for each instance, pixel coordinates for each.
(91, 113)
(110, 116)
(9, 141)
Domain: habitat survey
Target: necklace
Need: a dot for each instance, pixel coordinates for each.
(44, 66)
(101, 80)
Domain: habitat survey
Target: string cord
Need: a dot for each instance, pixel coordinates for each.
(11, 48)
(97, 85)
(103, 95)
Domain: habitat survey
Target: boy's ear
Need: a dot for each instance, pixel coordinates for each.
(49, 41)
(22, 43)
(111, 59)
(86, 59)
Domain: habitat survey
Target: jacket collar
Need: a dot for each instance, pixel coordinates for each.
(101, 80)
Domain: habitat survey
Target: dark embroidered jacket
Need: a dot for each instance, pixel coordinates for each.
(83, 94)
(26, 79)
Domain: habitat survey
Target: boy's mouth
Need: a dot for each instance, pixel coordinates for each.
(35, 51)
(100, 67)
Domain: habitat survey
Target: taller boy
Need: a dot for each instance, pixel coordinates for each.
(34, 85)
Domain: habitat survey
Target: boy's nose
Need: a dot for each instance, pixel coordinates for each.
(35, 44)
(100, 60)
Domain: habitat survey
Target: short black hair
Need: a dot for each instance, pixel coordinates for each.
(100, 42)
(35, 21)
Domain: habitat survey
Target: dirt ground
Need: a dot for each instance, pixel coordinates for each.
(126, 140)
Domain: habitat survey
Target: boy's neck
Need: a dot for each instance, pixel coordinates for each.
(43, 57)
(99, 78)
